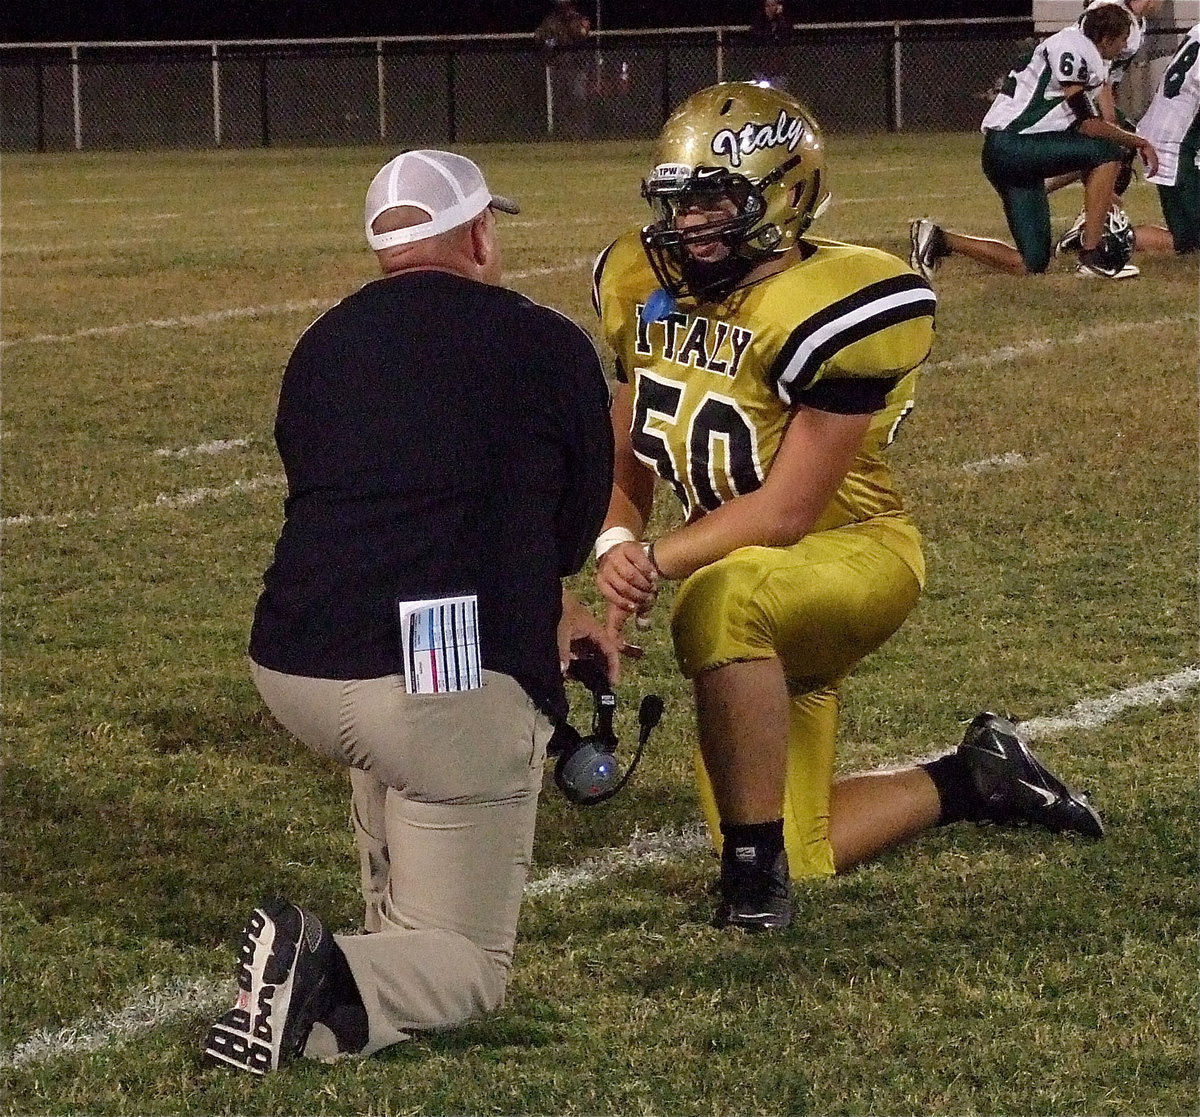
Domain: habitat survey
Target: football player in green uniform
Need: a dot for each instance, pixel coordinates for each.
(1172, 124)
(1044, 123)
(762, 374)
(1106, 104)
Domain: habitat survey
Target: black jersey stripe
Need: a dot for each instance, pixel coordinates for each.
(904, 312)
(851, 307)
(847, 304)
(597, 271)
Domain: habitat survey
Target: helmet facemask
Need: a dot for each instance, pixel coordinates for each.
(678, 248)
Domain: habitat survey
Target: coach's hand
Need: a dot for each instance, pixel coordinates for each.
(580, 634)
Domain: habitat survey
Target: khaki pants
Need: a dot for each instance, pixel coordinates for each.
(444, 799)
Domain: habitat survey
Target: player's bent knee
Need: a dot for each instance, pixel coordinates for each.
(717, 618)
(1035, 262)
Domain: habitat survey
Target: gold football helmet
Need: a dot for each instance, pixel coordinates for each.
(742, 149)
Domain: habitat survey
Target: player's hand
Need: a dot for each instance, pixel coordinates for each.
(626, 578)
(1149, 157)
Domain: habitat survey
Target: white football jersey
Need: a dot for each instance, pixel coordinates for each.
(1033, 97)
(1175, 109)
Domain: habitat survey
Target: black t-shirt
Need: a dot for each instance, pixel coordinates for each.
(440, 437)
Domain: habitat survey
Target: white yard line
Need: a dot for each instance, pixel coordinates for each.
(1001, 463)
(198, 496)
(217, 446)
(26, 226)
(234, 313)
(542, 222)
(74, 246)
(183, 322)
(306, 207)
(183, 499)
(839, 201)
(652, 848)
(557, 269)
(163, 1003)
(1038, 346)
(110, 200)
(146, 1009)
(300, 206)
(1095, 712)
(885, 169)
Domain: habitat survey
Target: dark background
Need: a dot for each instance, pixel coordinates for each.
(63, 20)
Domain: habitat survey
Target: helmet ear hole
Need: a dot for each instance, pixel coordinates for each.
(768, 240)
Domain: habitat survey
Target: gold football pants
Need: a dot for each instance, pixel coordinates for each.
(820, 606)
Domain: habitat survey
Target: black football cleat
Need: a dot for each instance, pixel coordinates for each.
(1072, 239)
(753, 898)
(1016, 786)
(284, 957)
(1093, 265)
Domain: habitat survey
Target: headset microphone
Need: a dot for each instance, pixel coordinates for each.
(587, 771)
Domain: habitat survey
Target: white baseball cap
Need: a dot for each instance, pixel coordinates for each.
(448, 187)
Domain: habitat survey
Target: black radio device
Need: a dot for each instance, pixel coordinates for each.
(587, 770)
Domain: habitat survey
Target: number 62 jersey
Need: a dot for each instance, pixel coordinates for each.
(714, 384)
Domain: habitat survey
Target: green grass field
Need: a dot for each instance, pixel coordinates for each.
(149, 304)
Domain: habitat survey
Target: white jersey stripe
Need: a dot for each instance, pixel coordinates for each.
(846, 322)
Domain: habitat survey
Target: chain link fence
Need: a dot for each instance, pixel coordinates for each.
(407, 92)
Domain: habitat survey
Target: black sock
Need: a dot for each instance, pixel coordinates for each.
(347, 1015)
(958, 801)
(765, 838)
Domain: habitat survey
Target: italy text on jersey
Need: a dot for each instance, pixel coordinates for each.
(693, 341)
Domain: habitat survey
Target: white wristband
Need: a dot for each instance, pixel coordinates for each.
(609, 539)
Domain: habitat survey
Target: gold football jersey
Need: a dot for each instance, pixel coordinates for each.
(714, 383)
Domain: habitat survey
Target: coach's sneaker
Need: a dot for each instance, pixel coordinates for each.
(753, 898)
(1093, 265)
(1016, 787)
(1072, 239)
(284, 958)
(928, 246)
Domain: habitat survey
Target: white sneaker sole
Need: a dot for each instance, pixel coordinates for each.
(1129, 271)
(915, 255)
(249, 1036)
